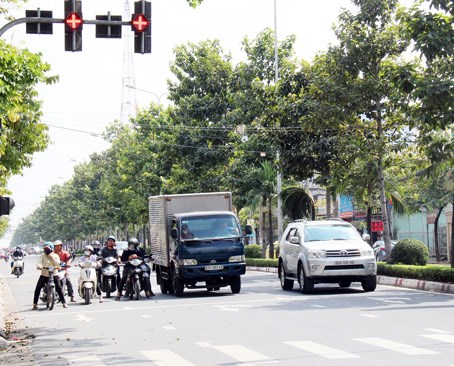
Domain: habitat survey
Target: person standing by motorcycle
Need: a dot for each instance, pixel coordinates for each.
(89, 256)
(46, 260)
(133, 251)
(18, 254)
(66, 258)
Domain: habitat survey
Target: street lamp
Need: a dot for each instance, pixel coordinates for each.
(158, 97)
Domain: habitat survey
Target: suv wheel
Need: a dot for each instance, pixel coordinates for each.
(345, 284)
(306, 283)
(286, 285)
(369, 284)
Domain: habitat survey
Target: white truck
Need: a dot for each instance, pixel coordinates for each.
(196, 242)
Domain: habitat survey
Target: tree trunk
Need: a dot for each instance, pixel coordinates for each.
(452, 233)
(261, 238)
(369, 222)
(328, 203)
(436, 244)
(270, 221)
(336, 207)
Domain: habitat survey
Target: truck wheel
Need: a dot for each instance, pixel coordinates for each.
(345, 284)
(164, 286)
(235, 284)
(286, 284)
(306, 283)
(178, 285)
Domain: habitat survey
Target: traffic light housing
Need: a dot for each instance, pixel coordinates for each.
(6, 205)
(38, 28)
(141, 25)
(73, 25)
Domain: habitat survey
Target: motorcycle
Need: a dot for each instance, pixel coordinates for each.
(138, 279)
(61, 274)
(109, 272)
(48, 291)
(87, 280)
(18, 266)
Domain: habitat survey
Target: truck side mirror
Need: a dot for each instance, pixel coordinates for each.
(174, 233)
(248, 229)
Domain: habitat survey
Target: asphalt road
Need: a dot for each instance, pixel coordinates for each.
(262, 325)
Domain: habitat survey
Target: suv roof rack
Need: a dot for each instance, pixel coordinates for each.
(300, 220)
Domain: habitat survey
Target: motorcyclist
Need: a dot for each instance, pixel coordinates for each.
(109, 251)
(18, 253)
(46, 260)
(89, 256)
(133, 251)
(66, 258)
(96, 247)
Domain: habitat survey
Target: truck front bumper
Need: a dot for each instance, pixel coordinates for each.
(202, 272)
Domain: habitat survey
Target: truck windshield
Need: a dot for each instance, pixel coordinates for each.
(209, 227)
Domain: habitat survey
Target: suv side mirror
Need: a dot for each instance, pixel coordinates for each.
(366, 237)
(294, 240)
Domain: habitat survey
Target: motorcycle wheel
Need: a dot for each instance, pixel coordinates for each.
(87, 295)
(17, 272)
(50, 298)
(136, 289)
(108, 288)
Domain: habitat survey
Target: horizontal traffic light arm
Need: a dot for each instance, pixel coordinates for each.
(59, 20)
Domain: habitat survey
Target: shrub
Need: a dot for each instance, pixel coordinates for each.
(410, 251)
(253, 251)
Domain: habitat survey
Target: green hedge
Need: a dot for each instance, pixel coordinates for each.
(429, 272)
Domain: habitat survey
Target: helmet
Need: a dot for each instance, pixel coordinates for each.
(112, 237)
(96, 244)
(58, 242)
(133, 242)
(49, 244)
(88, 247)
(18, 248)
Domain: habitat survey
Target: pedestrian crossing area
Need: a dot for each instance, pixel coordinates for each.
(431, 344)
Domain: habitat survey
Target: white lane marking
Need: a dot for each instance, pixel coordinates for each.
(231, 307)
(237, 352)
(169, 327)
(370, 315)
(146, 316)
(165, 357)
(395, 346)
(89, 360)
(83, 318)
(321, 350)
(447, 338)
(437, 330)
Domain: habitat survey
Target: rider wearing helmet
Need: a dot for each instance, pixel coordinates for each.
(46, 260)
(65, 258)
(96, 247)
(133, 251)
(17, 253)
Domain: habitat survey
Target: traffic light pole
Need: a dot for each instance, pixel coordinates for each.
(59, 20)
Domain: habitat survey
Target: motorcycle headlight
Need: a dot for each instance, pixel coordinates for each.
(135, 261)
(187, 262)
(237, 258)
(109, 260)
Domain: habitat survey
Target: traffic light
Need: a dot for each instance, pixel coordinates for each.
(38, 28)
(73, 25)
(6, 205)
(141, 25)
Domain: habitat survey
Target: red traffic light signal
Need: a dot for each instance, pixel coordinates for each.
(140, 23)
(73, 21)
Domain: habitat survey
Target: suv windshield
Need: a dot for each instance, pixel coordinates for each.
(329, 232)
(209, 227)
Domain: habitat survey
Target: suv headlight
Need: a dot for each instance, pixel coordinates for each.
(367, 252)
(237, 258)
(316, 253)
(187, 262)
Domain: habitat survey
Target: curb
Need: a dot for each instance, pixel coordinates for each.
(445, 288)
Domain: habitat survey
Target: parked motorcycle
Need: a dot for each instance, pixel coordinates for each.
(18, 266)
(87, 280)
(109, 273)
(138, 279)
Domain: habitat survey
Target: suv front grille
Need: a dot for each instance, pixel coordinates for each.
(343, 253)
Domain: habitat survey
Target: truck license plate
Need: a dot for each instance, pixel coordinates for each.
(214, 267)
(344, 263)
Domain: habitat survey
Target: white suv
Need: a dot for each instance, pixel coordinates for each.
(328, 251)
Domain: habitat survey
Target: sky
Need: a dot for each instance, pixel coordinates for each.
(88, 96)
